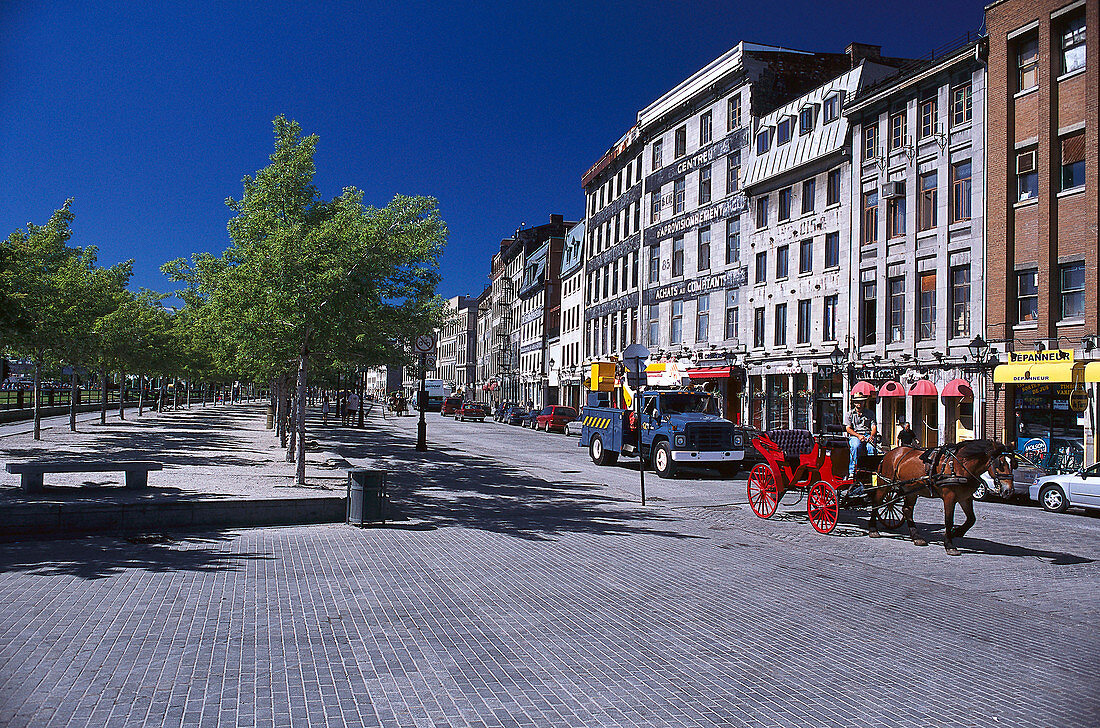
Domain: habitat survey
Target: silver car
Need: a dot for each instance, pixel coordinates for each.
(1059, 492)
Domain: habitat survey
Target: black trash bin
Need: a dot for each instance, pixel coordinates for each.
(366, 496)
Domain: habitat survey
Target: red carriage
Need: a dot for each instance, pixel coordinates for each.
(817, 468)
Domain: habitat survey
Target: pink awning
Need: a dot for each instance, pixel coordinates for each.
(891, 389)
(958, 388)
(864, 389)
(923, 388)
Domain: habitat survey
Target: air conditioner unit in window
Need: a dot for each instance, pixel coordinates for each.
(1025, 162)
(891, 190)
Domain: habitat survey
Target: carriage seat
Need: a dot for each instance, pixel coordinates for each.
(793, 443)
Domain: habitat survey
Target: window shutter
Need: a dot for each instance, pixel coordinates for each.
(1073, 149)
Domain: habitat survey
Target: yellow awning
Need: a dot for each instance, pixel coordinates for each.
(1092, 372)
(1038, 373)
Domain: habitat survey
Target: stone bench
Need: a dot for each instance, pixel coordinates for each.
(30, 474)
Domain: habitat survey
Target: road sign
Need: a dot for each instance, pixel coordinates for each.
(429, 361)
(424, 343)
(1079, 400)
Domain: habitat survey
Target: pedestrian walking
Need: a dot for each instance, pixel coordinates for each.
(353, 407)
(324, 411)
(342, 409)
(907, 438)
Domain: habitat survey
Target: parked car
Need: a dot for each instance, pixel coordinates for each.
(555, 417)
(1059, 492)
(472, 411)
(574, 427)
(450, 406)
(501, 415)
(1024, 475)
(515, 415)
(529, 418)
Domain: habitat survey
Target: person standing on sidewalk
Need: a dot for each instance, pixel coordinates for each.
(324, 411)
(353, 408)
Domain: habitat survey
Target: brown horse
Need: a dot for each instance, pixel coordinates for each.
(951, 473)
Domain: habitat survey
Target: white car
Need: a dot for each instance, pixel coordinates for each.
(1059, 492)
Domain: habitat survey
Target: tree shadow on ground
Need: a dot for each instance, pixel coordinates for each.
(448, 488)
(98, 557)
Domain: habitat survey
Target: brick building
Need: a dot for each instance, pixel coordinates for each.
(1043, 255)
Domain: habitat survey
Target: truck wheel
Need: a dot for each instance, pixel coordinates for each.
(599, 455)
(663, 463)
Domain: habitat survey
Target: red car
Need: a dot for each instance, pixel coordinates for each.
(555, 417)
(472, 411)
(450, 406)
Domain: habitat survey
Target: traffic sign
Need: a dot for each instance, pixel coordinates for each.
(429, 361)
(424, 344)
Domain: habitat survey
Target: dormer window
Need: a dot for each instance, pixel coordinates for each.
(830, 109)
(763, 141)
(783, 132)
(806, 120)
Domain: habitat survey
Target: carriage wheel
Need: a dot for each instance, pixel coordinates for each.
(822, 507)
(891, 510)
(763, 492)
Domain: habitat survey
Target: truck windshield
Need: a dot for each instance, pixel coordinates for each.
(680, 403)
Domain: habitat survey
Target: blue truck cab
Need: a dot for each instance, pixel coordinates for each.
(675, 428)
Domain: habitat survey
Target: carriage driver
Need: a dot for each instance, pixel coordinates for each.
(861, 429)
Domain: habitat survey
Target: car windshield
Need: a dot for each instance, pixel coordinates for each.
(681, 402)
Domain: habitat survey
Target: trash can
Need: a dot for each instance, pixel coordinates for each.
(366, 496)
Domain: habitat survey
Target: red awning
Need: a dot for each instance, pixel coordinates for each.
(958, 388)
(891, 389)
(864, 389)
(709, 372)
(923, 388)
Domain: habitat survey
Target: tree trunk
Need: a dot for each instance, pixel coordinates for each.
(189, 393)
(121, 395)
(102, 397)
(303, 365)
(362, 401)
(175, 393)
(72, 401)
(37, 399)
(141, 394)
(292, 422)
(202, 388)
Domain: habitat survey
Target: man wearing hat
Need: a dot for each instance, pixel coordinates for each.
(861, 428)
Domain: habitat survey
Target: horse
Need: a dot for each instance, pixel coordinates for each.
(951, 472)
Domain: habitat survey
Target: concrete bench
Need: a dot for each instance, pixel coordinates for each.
(30, 474)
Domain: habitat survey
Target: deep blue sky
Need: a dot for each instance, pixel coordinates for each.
(149, 115)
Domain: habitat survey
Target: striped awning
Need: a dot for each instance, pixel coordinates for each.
(709, 372)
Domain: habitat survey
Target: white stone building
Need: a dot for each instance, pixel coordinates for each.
(566, 370)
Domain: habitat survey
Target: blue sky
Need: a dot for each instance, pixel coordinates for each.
(149, 114)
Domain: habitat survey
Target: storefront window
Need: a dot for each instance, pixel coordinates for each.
(801, 396)
(829, 405)
(756, 403)
(1046, 425)
(779, 401)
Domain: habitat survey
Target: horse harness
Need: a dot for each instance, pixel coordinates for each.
(942, 467)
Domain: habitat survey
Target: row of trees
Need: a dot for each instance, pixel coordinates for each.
(307, 288)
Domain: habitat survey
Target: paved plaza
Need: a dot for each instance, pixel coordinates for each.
(520, 585)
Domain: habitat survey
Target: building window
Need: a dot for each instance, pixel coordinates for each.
(1072, 281)
(806, 120)
(785, 204)
(1073, 44)
(733, 112)
(706, 128)
(762, 266)
(926, 326)
(832, 250)
(680, 141)
(830, 109)
(1073, 161)
(897, 131)
(657, 148)
(731, 314)
(961, 105)
(870, 142)
(809, 189)
(896, 288)
(655, 207)
(1027, 295)
(634, 269)
(761, 212)
(783, 132)
(702, 319)
(804, 321)
(758, 327)
(780, 338)
(895, 216)
(704, 249)
(926, 203)
(678, 188)
(868, 313)
(1027, 64)
(960, 301)
(927, 126)
(806, 256)
(869, 228)
(676, 328)
(733, 241)
(654, 263)
(704, 185)
(782, 260)
(960, 191)
(832, 188)
(678, 256)
(828, 320)
(654, 325)
(762, 142)
(733, 172)
(1027, 176)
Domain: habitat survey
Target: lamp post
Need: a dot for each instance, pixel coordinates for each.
(979, 351)
(634, 358)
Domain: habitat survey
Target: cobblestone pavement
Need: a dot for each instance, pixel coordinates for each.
(512, 593)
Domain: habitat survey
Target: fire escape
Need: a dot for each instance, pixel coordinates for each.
(504, 337)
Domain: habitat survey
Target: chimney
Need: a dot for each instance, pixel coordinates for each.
(859, 51)
(557, 219)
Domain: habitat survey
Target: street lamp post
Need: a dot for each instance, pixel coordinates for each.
(634, 358)
(979, 350)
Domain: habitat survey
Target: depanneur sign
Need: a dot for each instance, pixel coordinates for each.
(1063, 356)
